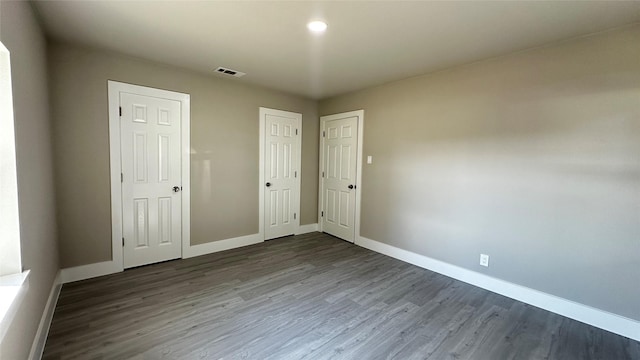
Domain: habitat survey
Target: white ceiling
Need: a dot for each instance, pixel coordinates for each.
(367, 43)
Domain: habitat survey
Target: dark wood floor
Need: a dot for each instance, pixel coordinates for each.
(308, 297)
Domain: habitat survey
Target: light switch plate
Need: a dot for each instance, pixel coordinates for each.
(369, 159)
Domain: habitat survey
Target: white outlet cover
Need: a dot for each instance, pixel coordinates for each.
(484, 259)
(369, 159)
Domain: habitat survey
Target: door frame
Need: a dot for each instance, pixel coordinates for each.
(262, 121)
(114, 90)
(323, 119)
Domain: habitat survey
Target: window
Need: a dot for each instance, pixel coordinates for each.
(11, 275)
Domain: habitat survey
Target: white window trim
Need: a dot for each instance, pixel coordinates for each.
(11, 290)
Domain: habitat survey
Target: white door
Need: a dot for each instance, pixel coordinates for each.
(151, 179)
(281, 173)
(339, 146)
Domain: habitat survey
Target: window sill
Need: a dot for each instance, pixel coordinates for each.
(10, 286)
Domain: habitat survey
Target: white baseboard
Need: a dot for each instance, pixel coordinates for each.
(89, 271)
(221, 245)
(110, 267)
(571, 309)
(40, 339)
(308, 228)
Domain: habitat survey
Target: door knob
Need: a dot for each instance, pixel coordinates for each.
(268, 184)
(351, 186)
(176, 189)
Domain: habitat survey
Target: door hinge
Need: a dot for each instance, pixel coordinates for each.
(296, 131)
(323, 134)
(321, 213)
(295, 174)
(294, 216)
(122, 242)
(323, 174)
(121, 177)
(120, 110)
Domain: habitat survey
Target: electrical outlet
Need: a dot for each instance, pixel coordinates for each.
(369, 159)
(484, 260)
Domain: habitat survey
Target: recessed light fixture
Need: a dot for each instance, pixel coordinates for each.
(317, 26)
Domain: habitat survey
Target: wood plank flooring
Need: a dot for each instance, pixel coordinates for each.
(308, 297)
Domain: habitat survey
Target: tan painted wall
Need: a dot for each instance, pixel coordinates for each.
(532, 158)
(224, 134)
(21, 34)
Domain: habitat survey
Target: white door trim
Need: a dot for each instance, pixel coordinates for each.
(323, 119)
(262, 122)
(114, 89)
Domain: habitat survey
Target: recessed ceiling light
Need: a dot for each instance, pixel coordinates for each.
(317, 26)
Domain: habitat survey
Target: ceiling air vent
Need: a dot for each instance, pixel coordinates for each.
(230, 72)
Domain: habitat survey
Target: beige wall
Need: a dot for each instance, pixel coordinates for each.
(532, 158)
(21, 34)
(224, 141)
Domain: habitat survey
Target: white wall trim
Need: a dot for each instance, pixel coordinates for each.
(114, 90)
(360, 115)
(40, 339)
(89, 271)
(110, 267)
(308, 228)
(186, 170)
(222, 245)
(261, 165)
(571, 309)
(115, 169)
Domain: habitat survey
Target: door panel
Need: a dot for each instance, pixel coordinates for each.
(151, 167)
(282, 187)
(141, 222)
(339, 155)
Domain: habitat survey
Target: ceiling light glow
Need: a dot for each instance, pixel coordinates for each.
(317, 26)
